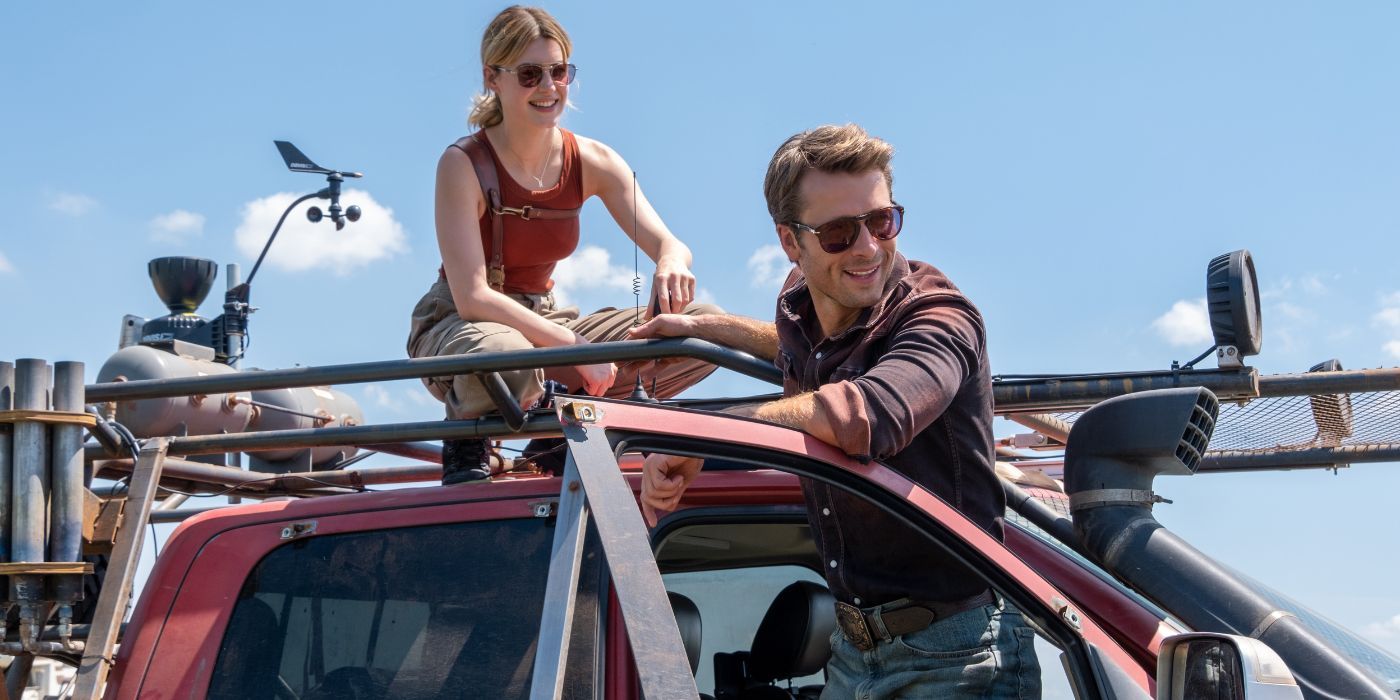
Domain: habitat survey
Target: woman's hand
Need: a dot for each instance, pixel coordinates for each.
(673, 285)
(597, 379)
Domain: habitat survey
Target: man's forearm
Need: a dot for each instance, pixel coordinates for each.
(741, 333)
(801, 412)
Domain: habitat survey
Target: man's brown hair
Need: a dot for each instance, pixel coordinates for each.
(832, 149)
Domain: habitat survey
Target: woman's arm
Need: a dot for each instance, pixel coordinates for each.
(607, 175)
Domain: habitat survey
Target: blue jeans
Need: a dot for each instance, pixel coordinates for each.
(985, 652)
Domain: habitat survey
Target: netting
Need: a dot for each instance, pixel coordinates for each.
(1282, 424)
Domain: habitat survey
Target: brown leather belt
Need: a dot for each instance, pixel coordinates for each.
(862, 629)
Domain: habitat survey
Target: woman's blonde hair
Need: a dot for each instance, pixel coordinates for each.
(832, 149)
(505, 39)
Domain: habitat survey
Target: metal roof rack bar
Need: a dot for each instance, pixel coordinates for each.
(593, 353)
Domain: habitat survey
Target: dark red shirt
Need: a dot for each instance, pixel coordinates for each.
(907, 385)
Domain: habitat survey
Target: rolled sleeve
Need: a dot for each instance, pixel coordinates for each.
(843, 403)
(928, 359)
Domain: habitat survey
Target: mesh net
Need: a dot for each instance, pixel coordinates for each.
(1275, 425)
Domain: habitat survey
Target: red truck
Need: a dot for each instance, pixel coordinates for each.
(540, 585)
(441, 591)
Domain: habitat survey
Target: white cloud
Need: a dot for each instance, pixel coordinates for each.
(382, 398)
(1187, 323)
(590, 268)
(1388, 317)
(769, 266)
(177, 227)
(71, 204)
(5, 265)
(1385, 629)
(1290, 310)
(302, 245)
(1388, 320)
(1312, 284)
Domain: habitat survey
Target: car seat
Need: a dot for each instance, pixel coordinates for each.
(793, 640)
(688, 620)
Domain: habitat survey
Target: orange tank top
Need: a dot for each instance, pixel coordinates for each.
(531, 248)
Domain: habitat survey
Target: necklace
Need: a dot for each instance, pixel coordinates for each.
(539, 179)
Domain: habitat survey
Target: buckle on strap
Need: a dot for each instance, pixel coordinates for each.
(522, 212)
(852, 623)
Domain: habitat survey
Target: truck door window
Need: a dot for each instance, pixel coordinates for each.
(730, 620)
(424, 612)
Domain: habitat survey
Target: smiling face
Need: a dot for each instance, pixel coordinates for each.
(541, 105)
(842, 284)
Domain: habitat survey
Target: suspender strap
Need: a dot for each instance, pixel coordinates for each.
(485, 166)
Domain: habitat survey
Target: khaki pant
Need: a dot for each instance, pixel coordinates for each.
(437, 330)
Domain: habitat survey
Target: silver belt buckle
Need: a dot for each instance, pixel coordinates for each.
(852, 623)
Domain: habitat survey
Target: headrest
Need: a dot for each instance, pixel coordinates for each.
(794, 638)
(688, 620)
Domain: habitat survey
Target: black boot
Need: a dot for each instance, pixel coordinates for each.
(465, 460)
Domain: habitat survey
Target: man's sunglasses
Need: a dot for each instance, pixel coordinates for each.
(837, 235)
(530, 74)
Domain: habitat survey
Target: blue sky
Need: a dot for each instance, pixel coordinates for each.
(1072, 167)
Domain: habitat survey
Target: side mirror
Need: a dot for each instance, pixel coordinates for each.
(1224, 666)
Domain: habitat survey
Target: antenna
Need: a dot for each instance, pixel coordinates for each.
(636, 264)
(639, 393)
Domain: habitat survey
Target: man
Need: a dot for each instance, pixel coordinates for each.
(884, 358)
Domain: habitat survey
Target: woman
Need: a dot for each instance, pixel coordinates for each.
(506, 211)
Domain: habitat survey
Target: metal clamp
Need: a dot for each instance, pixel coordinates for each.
(54, 417)
(1113, 497)
(522, 212)
(581, 412)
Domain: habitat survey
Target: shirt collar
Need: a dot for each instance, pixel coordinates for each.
(795, 304)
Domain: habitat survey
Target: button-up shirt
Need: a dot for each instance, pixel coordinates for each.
(907, 385)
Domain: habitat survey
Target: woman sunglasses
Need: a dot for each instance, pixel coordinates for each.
(530, 74)
(839, 234)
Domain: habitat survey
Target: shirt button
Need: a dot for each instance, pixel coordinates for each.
(819, 355)
(826, 511)
(833, 563)
(856, 601)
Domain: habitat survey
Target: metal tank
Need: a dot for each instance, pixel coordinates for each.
(303, 408)
(177, 415)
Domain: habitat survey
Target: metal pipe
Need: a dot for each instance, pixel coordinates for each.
(500, 395)
(233, 342)
(1040, 515)
(1046, 425)
(491, 426)
(426, 451)
(1071, 392)
(30, 493)
(7, 402)
(17, 676)
(269, 484)
(67, 465)
(66, 476)
(1314, 458)
(1339, 382)
(30, 497)
(173, 501)
(591, 353)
